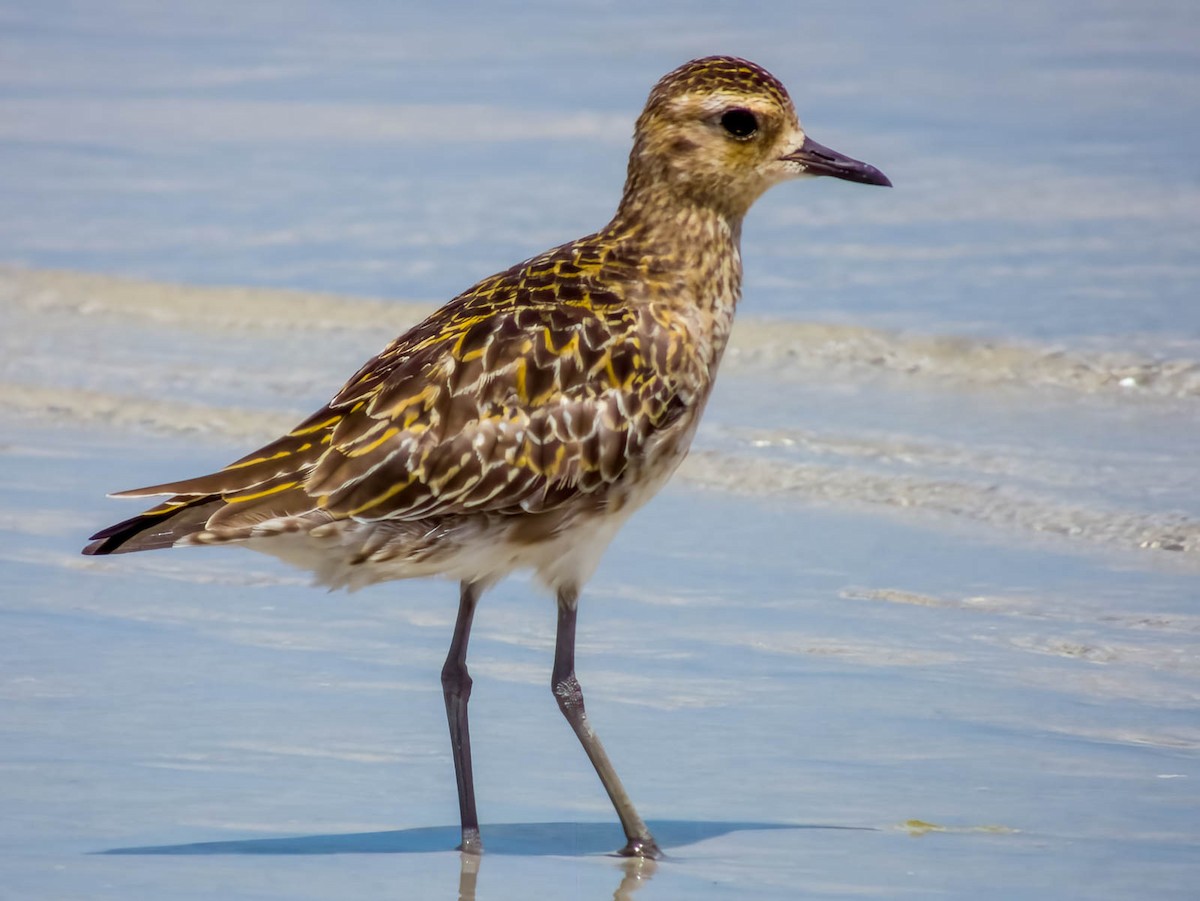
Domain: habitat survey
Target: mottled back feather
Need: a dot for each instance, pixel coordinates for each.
(534, 386)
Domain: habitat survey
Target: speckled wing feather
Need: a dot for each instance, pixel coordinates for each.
(514, 397)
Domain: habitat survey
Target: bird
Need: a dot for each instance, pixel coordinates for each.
(521, 424)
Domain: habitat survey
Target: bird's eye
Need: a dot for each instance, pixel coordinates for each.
(741, 123)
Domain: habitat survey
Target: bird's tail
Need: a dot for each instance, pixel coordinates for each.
(157, 528)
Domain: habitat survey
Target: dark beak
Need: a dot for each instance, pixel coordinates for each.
(818, 159)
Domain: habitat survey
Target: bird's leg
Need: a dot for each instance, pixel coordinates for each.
(640, 843)
(456, 688)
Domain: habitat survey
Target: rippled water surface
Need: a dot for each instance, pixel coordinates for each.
(919, 617)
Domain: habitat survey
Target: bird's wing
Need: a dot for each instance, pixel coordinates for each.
(489, 405)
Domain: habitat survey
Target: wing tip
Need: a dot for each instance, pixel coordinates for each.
(110, 539)
(157, 528)
(96, 548)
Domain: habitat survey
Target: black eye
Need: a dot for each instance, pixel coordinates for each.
(741, 123)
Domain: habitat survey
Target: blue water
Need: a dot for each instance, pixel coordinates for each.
(1043, 154)
(900, 594)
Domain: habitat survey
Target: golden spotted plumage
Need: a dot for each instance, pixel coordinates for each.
(535, 389)
(521, 423)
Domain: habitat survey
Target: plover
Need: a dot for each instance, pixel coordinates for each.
(522, 423)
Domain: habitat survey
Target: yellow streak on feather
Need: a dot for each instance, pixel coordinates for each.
(278, 456)
(422, 397)
(519, 376)
(366, 449)
(312, 429)
(378, 499)
(241, 498)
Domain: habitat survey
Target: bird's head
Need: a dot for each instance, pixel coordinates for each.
(718, 132)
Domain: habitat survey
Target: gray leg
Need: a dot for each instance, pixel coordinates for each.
(570, 701)
(456, 688)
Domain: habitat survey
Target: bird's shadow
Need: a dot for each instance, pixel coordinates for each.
(528, 839)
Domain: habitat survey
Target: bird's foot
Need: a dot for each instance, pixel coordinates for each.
(471, 842)
(642, 846)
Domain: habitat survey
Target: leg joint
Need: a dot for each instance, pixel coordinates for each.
(568, 693)
(456, 680)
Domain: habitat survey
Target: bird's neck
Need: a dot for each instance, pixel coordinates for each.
(692, 244)
(659, 205)
(689, 255)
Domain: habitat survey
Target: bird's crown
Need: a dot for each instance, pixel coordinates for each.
(720, 75)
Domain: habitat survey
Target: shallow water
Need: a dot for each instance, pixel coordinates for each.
(918, 617)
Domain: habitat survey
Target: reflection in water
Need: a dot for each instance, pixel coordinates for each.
(467, 876)
(636, 872)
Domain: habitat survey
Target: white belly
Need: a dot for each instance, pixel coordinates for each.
(483, 549)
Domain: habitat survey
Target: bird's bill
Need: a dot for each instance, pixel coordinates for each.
(817, 159)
